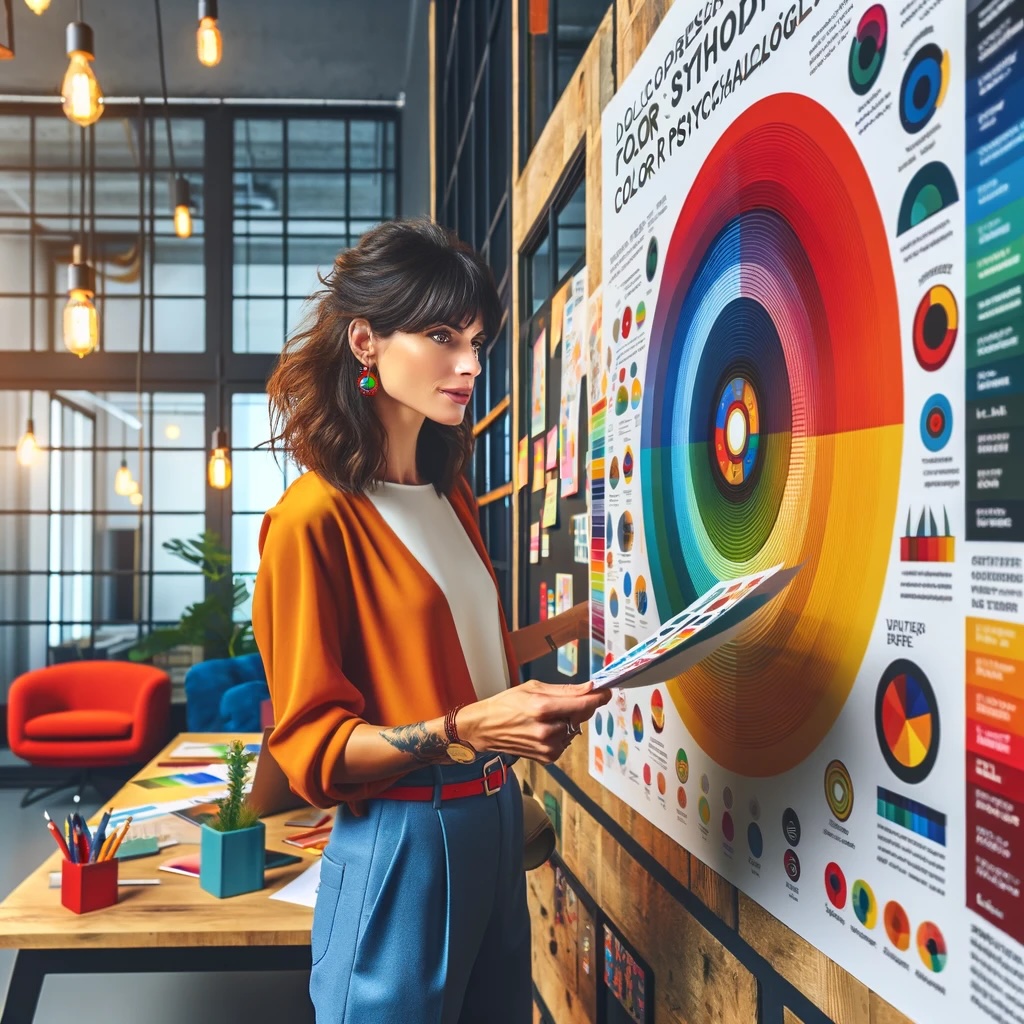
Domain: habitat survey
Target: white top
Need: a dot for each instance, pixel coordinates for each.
(427, 525)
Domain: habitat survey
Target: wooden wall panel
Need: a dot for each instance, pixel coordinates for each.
(698, 979)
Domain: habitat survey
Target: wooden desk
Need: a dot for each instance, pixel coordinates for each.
(174, 926)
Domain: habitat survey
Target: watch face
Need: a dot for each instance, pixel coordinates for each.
(461, 753)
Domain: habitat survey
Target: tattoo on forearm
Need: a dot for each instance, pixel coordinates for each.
(426, 746)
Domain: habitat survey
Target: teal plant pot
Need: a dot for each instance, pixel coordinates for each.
(231, 863)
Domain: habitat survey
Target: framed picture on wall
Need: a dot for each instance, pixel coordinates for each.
(625, 980)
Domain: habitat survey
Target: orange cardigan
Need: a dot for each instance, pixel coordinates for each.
(352, 629)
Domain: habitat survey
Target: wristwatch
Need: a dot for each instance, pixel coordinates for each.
(458, 750)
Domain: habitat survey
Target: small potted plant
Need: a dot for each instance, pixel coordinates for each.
(231, 845)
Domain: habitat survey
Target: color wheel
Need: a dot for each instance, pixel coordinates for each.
(907, 721)
(932, 947)
(773, 390)
(867, 51)
(897, 925)
(865, 906)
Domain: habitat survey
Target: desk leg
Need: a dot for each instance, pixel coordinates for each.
(26, 984)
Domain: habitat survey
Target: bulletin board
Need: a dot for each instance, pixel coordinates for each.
(559, 577)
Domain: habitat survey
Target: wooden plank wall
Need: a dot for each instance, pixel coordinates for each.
(756, 968)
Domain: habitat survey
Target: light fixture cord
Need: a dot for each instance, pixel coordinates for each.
(163, 84)
(142, 283)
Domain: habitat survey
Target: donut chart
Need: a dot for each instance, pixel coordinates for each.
(935, 327)
(936, 423)
(907, 721)
(931, 947)
(865, 906)
(839, 790)
(897, 925)
(867, 51)
(759, 416)
(930, 191)
(924, 87)
(835, 885)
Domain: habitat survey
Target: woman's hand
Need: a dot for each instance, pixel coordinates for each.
(536, 720)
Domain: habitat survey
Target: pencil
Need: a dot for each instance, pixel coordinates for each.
(120, 837)
(56, 835)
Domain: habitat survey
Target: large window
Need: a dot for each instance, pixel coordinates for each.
(555, 34)
(474, 147)
(276, 194)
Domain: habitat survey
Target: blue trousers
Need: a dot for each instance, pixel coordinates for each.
(421, 914)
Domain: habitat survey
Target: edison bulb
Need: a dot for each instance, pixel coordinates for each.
(37, 6)
(183, 221)
(135, 498)
(124, 482)
(172, 431)
(209, 45)
(27, 447)
(218, 471)
(81, 325)
(83, 98)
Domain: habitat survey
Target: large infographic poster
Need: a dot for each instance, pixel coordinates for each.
(810, 354)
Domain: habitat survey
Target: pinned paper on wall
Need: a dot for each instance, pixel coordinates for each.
(574, 366)
(534, 543)
(545, 544)
(543, 600)
(551, 503)
(538, 385)
(580, 539)
(538, 465)
(568, 654)
(523, 463)
(557, 312)
(551, 449)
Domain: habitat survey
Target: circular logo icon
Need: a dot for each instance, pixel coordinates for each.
(931, 947)
(638, 723)
(791, 826)
(652, 258)
(627, 322)
(661, 783)
(682, 766)
(868, 49)
(936, 423)
(839, 790)
(681, 798)
(792, 864)
(865, 906)
(835, 885)
(728, 829)
(935, 327)
(727, 798)
(755, 840)
(657, 711)
(704, 809)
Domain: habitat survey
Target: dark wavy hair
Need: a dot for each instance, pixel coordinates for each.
(404, 275)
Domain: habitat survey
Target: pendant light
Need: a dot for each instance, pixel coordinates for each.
(27, 446)
(81, 325)
(37, 6)
(83, 98)
(181, 197)
(218, 470)
(124, 482)
(209, 45)
(182, 206)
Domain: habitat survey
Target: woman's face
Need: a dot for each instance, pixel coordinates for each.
(432, 372)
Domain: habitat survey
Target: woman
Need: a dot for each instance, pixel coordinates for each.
(389, 662)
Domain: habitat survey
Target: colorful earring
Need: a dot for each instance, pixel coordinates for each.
(369, 385)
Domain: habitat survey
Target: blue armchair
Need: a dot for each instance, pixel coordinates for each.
(224, 694)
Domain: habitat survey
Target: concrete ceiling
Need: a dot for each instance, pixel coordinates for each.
(273, 49)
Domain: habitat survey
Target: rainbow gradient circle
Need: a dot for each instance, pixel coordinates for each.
(761, 333)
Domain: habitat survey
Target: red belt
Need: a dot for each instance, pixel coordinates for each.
(493, 776)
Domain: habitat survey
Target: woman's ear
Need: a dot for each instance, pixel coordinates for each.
(360, 340)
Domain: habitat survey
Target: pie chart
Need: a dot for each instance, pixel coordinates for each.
(864, 903)
(835, 885)
(897, 925)
(907, 721)
(932, 947)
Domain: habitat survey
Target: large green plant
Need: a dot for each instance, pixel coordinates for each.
(209, 623)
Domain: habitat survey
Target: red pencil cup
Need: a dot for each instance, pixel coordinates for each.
(85, 887)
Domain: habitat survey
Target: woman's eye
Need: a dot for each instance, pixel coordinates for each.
(441, 337)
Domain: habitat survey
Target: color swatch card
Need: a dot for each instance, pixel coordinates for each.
(714, 619)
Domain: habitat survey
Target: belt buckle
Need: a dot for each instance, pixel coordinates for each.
(495, 764)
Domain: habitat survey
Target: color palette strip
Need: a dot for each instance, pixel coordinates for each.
(597, 534)
(912, 815)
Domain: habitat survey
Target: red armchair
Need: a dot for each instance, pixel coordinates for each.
(84, 715)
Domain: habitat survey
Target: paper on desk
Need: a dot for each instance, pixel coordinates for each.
(142, 812)
(215, 751)
(301, 889)
(712, 620)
